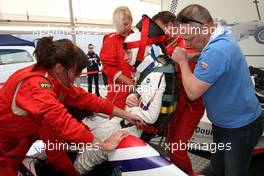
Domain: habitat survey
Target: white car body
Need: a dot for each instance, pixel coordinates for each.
(243, 30)
(17, 57)
(133, 157)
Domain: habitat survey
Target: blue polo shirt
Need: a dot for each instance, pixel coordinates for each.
(230, 101)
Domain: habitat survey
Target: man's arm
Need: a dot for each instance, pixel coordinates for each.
(124, 79)
(194, 87)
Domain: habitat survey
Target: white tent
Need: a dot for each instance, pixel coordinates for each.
(83, 21)
(87, 20)
(92, 16)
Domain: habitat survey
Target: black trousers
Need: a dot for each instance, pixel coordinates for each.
(234, 160)
(90, 79)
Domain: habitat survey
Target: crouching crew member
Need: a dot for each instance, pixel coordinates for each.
(32, 107)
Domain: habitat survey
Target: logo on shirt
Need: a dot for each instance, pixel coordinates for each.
(45, 85)
(148, 80)
(60, 96)
(203, 65)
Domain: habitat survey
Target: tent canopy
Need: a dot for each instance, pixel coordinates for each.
(9, 40)
(95, 17)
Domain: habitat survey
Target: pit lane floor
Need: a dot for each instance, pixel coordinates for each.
(200, 162)
(200, 159)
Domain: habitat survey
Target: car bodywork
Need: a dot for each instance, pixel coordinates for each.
(243, 30)
(13, 58)
(15, 53)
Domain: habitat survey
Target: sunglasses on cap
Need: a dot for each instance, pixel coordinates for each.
(185, 19)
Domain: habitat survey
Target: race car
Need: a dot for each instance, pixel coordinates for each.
(15, 53)
(243, 30)
(133, 157)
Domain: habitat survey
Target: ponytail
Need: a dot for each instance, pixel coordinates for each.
(45, 53)
(49, 53)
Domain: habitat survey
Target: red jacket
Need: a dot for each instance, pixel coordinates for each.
(183, 101)
(112, 57)
(187, 116)
(32, 104)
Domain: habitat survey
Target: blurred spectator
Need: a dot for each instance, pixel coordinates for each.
(93, 67)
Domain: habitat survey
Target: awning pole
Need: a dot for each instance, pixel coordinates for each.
(73, 34)
(257, 7)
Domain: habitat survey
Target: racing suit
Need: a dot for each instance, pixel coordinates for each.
(112, 57)
(187, 116)
(150, 91)
(32, 107)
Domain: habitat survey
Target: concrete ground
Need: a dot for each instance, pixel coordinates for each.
(200, 160)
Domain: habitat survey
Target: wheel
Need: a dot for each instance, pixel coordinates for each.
(259, 35)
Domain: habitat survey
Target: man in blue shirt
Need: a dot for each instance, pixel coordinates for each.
(222, 77)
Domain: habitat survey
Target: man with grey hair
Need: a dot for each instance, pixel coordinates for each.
(222, 77)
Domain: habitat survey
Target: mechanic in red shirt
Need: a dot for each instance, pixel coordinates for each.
(112, 55)
(32, 106)
(188, 113)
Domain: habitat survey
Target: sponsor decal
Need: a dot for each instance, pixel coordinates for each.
(203, 65)
(148, 80)
(45, 85)
(203, 131)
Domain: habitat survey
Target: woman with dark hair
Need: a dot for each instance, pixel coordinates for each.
(32, 106)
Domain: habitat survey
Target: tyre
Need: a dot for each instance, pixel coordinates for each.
(259, 35)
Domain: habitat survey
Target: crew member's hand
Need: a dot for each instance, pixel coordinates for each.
(132, 101)
(130, 82)
(179, 55)
(136, 120)
(124, 79)
(133, 119)
(112, 142)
